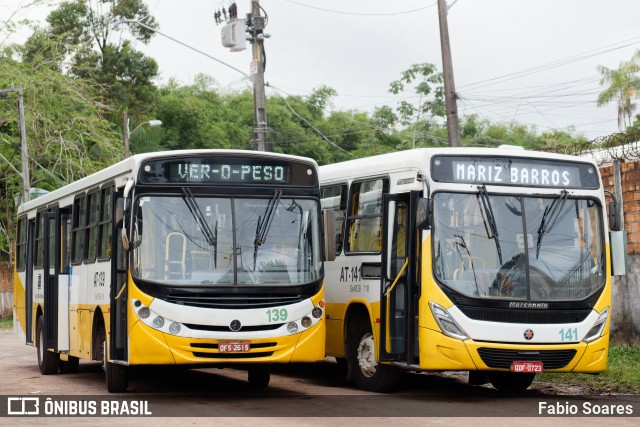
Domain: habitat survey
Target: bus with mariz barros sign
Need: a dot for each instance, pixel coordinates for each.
(496, 261)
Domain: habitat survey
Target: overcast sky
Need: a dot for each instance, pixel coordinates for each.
(529, 61)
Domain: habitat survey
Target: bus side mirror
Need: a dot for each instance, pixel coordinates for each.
(615, 216)
(424, 212)
(329, 231)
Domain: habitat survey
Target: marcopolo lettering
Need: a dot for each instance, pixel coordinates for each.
(529, 305)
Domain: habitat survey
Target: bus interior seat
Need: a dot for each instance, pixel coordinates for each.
(175, 255)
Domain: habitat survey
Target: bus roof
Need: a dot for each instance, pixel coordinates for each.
(128, 167)
(419, 158)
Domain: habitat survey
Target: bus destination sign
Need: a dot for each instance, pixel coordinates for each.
(215, 171)
(514, 171)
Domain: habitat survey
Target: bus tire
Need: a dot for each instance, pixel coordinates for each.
(368, 374)
(117, 380)
(510, 381)
(69, 366)
(259, 376)
(344, 370)
(47, 360)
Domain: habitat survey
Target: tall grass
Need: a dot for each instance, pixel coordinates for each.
(621, 376)
(6, 322)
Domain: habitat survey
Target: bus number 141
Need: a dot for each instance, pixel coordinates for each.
(569, 334)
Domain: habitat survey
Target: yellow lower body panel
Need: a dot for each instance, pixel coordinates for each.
(150, 347)
(439, 352)
(311, 345)
(595, 356)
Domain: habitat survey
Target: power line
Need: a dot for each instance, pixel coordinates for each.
(307, 122)
(555, 64)
(404, 12)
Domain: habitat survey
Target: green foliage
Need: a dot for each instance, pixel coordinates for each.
(77, 41)
(67, 134)
(623, 86)
(6, 322)
(622, 374)
(429, 88)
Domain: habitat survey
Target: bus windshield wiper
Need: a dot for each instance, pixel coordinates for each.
(490, 218)
(550, 218)
(460, 243)
(264, 223)
(209, 236)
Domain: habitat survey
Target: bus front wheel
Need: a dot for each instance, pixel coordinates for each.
(69, 366)
(259, 376)
(47, 360)
(510, 381)
(117, 381)
(368, 374)
(117, 378)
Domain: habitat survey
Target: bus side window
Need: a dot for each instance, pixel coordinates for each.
(79, 215)
(93, 215)
(365, 217)
(335, 197)
(106, 226)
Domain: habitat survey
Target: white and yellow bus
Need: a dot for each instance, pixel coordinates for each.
(492, 261)
(199, 257)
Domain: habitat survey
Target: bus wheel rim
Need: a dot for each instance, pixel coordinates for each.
(366, 356)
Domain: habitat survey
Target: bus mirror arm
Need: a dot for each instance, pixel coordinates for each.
(126, 214)
(424, 213)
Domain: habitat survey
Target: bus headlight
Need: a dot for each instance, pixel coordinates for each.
(292, 327)
(144, 312)
(158, 322)
(597, 328)
(316, 312)
(174, 328)
(447, 324)
(306, 322)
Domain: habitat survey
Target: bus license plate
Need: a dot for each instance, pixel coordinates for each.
(526, 367)
(233, 346)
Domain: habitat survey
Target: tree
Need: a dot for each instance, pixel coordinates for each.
(429, 90)
(77, 41)
(67, 133)
(623, 86)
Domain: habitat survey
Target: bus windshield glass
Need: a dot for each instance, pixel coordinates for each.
(518, 247)
(208, 241)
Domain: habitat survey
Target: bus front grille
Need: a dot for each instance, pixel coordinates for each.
(488, 314)
(237, 302)
(502, 358)
(225, 328)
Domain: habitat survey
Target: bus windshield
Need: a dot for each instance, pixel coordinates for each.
(518, 247)
(207, 241)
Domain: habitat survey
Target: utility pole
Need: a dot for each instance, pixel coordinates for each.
(453, 126)
(24, 154)
(125, 132)
(257, 72)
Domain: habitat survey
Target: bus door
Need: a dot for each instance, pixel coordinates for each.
(51, 262)
(118, 294)
(28, 306)
(62, 264)
(399, 290)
